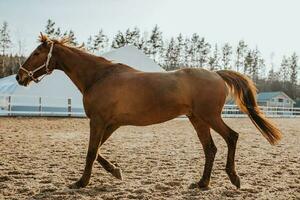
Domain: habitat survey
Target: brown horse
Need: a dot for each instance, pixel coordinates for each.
(115, 95)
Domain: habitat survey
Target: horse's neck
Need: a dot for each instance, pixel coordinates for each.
(81, 68)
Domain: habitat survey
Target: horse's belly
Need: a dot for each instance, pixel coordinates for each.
(152, 116)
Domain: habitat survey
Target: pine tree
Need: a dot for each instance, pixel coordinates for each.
(132, 37)
(261, 68)
(203, 49)
(119, 40)
(143, 43)
(226, 56)
(5, 43)
(294, 72)
(272, 75)
(240, 55)
(213, 60)
(193, 50)
(254, 68)
(180, 47)
(254, 64)
(100, 42)
(284, 69)
(54, 32)
(136, 33)
(89, 44)
(273, 83)
(187, 53)
(155, 43)
(72, 38)
(65, 34)
(50, 28)
(248, 62)
(57, 33)
(172, 55)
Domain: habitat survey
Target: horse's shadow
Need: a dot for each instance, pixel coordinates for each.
(90, 191)
(105, 190)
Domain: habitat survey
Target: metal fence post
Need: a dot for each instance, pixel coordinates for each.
(40, 106)
(9, 105)
(69, 107)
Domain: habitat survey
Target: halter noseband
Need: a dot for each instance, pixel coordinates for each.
(46, 64)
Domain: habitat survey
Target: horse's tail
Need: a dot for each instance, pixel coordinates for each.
(244, 92)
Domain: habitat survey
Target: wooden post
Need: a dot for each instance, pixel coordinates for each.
(9, 105)
(40, 106)
(69, 107)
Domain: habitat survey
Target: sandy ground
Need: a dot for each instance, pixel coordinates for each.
(40, 157)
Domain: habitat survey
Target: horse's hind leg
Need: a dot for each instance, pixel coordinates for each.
(210, 150)
(108, 166)
(231, 137)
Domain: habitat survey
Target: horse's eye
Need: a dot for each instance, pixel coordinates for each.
(36, 53)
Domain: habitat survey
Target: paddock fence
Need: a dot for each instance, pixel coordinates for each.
(18, 105)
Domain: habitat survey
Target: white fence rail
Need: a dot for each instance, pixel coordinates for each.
(233, 111)
(16, 105)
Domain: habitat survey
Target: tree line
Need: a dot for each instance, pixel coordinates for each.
(174, 53)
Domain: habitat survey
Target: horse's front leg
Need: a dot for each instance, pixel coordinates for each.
(108, 166)
(97, 130)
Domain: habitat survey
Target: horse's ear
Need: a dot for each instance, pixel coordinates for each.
(43, 38)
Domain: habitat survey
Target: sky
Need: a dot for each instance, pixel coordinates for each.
(271, 25)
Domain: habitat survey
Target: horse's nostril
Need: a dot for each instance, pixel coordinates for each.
(17, 78)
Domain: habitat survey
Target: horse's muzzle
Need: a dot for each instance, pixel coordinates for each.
(24, 82)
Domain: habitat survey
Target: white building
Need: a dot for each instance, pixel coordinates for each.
(275, 99)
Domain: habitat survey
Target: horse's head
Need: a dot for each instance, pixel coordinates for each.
(38, 64)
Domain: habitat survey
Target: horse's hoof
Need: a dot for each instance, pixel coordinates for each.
(77, 185)
(74, 186)
(193, 186)
(235, 180)
(117, 173)
(203, 185)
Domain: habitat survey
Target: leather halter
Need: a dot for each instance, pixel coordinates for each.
(46, 65)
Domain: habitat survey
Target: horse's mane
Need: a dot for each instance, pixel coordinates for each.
(65, 41)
